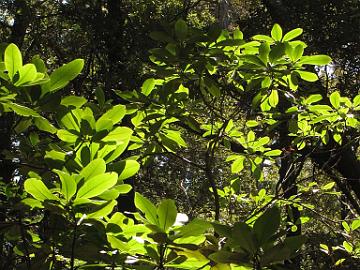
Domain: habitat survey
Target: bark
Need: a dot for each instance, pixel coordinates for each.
(278, 12)
(343, 161)
(21, 22)
(224, 13)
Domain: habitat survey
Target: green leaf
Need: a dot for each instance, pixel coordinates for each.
(116, 191)
(348, 247)
(222, 257)
(27, 73)
(263, 38)
(337, 137)
(356, 101)
(243, 236)
(307, 76)
(75, 101)
(117, 243)
(355, 224)
(67, 136)
(267, 225)
(33, 203)
(276, 32)
(103, 125)
(100, 96)
(238, 165)
(298, 53)
(125, 168)
(181, 29)
(22, 110)
(120, 136)
(274, 98)
(264, 50)
(320, 108)
(340, 261)
(211, 86)
(328, 186)
(13, 60)
(161, 36)
(346, 226)
(176, 137)
(39, 64)
(335, 99)
(123, 188)
(194, 228)
(68, 184)
(147, 207)
(97, 185)
(252, 123)
(38, 190)
(253, 59)
(63, 75)
(167, 214)
(292, 34)
(115, 114)
(94, 168)
(106, 210)
(313, 98)
(71, 121)
(276, 52)
(273, 153)
(282, 251)
(318, 60)
(238, 34)
(43, 124)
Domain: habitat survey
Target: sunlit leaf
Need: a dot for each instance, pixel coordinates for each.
(292, 34)
(63, 75)
(97, 185)
(38, 190)
(13, 60)
(166, 212)
(68, 184)
(276, 32)
(318, 60)
(147, 207)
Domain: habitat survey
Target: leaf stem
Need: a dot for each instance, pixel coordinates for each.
(72, 260)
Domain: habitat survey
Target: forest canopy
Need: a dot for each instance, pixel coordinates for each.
(179, 134)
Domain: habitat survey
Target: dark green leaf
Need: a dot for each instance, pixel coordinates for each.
(243, 236)
(181, 29)
(267, 225)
